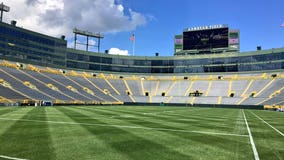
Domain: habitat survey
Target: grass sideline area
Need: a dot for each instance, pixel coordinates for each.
(131, 132)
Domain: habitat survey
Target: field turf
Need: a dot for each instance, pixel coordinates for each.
(140, 133)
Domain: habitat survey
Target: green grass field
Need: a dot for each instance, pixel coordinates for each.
(158, 133)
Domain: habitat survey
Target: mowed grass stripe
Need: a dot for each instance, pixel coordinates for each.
(276, 119)
(138, 118)
(235, 145)
(126, 142)
(121, 126)
(275, 129)
(75, 135)
(76, 142)
(28, 140)
(141, 123)
(147, 120)
(217, 121)
(191, 120)
(142, 109)
(270, 145)
(8, 113)
(188, 112)
(5, 110)
(180, 121)
(220, 146)
(6, 125)
(132, 117)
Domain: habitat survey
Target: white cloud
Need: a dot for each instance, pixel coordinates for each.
(117, 51)
(57, 17)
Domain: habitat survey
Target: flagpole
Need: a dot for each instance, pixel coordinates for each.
(133, 47)
(132, 39)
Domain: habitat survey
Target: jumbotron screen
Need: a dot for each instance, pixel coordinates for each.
(206, 39)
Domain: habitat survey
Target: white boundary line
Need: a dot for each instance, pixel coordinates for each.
(256, 157)
(124, 126)
(13, 158)
(282, 134)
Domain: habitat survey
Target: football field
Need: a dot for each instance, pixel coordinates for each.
(140, 133)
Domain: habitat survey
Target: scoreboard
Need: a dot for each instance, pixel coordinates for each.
(205, 39)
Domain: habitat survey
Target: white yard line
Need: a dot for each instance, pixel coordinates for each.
(150, 113)
(282, 134)
(190, 120)
(123, 116)
(125, 126)
(13, 158)
(256, 157)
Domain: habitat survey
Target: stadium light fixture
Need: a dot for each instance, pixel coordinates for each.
(87, 34)
(3, 8)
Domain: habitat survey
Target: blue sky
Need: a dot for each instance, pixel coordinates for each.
(154, 22)
(258, 21)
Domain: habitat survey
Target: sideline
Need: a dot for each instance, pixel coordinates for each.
(256, 157)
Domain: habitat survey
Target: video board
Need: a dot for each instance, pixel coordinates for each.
(206, 39)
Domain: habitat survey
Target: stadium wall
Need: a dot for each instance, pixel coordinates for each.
(258, 107)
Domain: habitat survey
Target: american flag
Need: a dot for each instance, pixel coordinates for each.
(132, 38)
